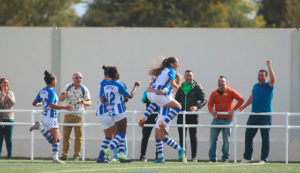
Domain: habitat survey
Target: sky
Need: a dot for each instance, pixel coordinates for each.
(81, 7)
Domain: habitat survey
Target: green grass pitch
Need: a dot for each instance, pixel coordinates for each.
(46, 166)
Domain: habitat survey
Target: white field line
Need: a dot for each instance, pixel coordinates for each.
(154, 167)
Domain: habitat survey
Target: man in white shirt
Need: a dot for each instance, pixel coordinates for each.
(78, 96)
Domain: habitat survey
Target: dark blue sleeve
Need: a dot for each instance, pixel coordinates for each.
(37, 99)
(102, 94)
(172, 74)
(51, 96)
(123, 90)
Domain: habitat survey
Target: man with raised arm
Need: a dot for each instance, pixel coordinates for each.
(261, 100)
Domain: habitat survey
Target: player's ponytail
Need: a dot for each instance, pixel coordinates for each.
(166, 62)
(48, 77)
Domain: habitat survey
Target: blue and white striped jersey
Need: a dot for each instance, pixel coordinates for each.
(102, 108)
(46, 96)
(163, 80)
(113, 91)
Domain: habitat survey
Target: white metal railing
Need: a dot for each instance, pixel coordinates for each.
(134, 124)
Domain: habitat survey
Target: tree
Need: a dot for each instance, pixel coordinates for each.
(37, 12)
(171, 13)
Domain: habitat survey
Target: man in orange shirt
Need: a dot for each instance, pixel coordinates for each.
(222, 100)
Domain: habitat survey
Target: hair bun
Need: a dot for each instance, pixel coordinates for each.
(104, 67)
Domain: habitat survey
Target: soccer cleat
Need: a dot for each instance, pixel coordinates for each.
(58, 161)
(165, 128)
(108, 154)
(35, 126)
(124, 159)
(160, 160)
(102, 161)
(180, 154)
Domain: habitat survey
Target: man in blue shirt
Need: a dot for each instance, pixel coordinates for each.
(261, 99)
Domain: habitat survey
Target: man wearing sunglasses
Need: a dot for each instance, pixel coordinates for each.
(78, 96)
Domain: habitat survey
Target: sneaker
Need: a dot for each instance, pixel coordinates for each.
(143, 158)
(76, 159)
(102, 161)
(262, 162)
(194, 159)
(245, 161)
(58, 161)
(225, 161)
(35, 126)
(109, 154)
(180, 154)
(62, 158)
(124, 158)
(165, 128)
(160, 160)
(212, 161)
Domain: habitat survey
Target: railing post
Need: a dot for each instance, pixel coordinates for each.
(287, 138)
(83, 134)
(133, 135)
(183, 133)
(234, 137)
(32, 136)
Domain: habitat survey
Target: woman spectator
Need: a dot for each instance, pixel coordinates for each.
(7, 101)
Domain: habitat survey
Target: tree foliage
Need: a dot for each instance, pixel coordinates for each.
(37, 12)
(171, 13)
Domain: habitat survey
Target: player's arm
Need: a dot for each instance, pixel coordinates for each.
(37, 104)
(160, 92)
(271, 73)
(136, 84)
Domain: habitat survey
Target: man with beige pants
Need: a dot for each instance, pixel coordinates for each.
(78, 96)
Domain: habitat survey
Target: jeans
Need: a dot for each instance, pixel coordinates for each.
(6, 133)
(265, 136)
(214, 133)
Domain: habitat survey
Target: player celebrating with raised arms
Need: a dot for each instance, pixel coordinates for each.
(48, 99)
(165, 76)
(111, 94)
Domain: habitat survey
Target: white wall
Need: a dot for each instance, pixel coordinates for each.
(235, 53)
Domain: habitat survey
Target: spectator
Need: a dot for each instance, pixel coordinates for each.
(7, 101)
(261, 99)
(222, 100)
(191, 96)
(78, 96)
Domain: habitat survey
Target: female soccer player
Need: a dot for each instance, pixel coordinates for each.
(107, 123)
(48, 99)
(165, 76)
(111, 94)
(160, 134)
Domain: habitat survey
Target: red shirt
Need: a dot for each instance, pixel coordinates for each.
(224, 102)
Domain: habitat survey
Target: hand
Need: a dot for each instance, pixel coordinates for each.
(81, 101)
(65, 94)
(193, 109)
(269, 62)
(142, 121)
(136, 84)
(214, 114)
(231, 111)
(175, 90)
(241, 108)
(69, 107)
